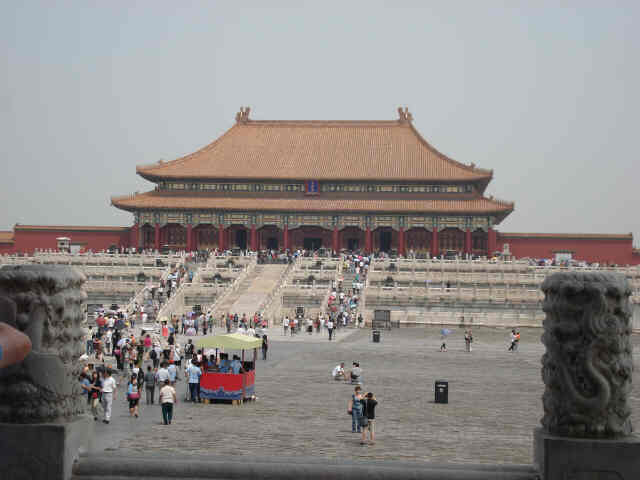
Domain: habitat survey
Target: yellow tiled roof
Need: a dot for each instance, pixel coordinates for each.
(6, 236)
(317, 150)
(162, 200)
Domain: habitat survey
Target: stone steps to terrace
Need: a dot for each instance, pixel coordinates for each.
(253, 290)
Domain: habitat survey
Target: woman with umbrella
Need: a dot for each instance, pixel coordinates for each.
(444, 332)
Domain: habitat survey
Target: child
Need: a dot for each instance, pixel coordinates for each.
(369, 414)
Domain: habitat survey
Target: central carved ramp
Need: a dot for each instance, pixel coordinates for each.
(111, 467)
(254, 290)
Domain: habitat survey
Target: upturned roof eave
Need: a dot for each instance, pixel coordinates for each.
(501, 210)
(482, 180)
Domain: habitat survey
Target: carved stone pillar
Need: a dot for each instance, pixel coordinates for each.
(41, 402)
(587, 371)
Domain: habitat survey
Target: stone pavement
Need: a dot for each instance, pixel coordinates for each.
(494, 403)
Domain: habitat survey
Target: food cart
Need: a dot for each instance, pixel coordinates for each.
(229, 386)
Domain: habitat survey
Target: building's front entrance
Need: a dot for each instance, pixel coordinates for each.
(312, 243)
(353, 244)
(385, 240)
(272, 243)
(241, 239)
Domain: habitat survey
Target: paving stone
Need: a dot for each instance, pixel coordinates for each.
(494, 403)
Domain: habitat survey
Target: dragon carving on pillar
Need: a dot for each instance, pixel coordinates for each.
(588, 364)
(45, 303)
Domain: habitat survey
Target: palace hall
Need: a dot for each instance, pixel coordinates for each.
(356, 185)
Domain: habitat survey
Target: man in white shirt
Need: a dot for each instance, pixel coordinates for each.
(163, 374)
(338, 372)
(285, 324)
(330, 328)
(167, 399)
(109, 386)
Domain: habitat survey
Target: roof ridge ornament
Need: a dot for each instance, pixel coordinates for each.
(243, 115)
(405, 115)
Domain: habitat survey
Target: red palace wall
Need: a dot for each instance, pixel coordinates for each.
(602, 249)
(27, 239)
(616, 249)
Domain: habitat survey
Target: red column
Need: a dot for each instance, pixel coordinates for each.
(189, 237)
(254, 238)
(467, 241)
(157, 237)
(220, 237)
(286, 237)
(435, 248)
(401, 241)
(334, 240)
(367, 240)
(135, 235)
(491, 242)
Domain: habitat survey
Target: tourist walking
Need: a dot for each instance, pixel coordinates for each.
(150, 385)
(133, 395)
(330, 328)
(194, 373)
(513, 341)
(95, 393)
(369, 414)
(167, 399)
(265, 347)
(468, 339)
(355, 409)
(109, 387)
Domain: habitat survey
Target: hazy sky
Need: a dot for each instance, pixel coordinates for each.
(545, 96)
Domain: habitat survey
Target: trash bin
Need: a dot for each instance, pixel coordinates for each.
(442, 391)
(376, 336)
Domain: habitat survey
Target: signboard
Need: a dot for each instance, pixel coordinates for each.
(311, 187)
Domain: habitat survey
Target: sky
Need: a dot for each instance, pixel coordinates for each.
(544, 95)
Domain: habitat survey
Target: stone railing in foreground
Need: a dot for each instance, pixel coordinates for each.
(41, 403)
(587, 372)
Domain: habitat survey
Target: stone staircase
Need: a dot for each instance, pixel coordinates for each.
(253, 290)
(109, 466)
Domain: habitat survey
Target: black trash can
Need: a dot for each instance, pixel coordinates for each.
(376, 336)
(442, 391)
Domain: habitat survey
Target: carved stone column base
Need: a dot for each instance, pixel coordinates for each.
(43, 451)
(563, 458)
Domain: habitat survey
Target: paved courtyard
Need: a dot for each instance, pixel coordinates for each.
(494, 403)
